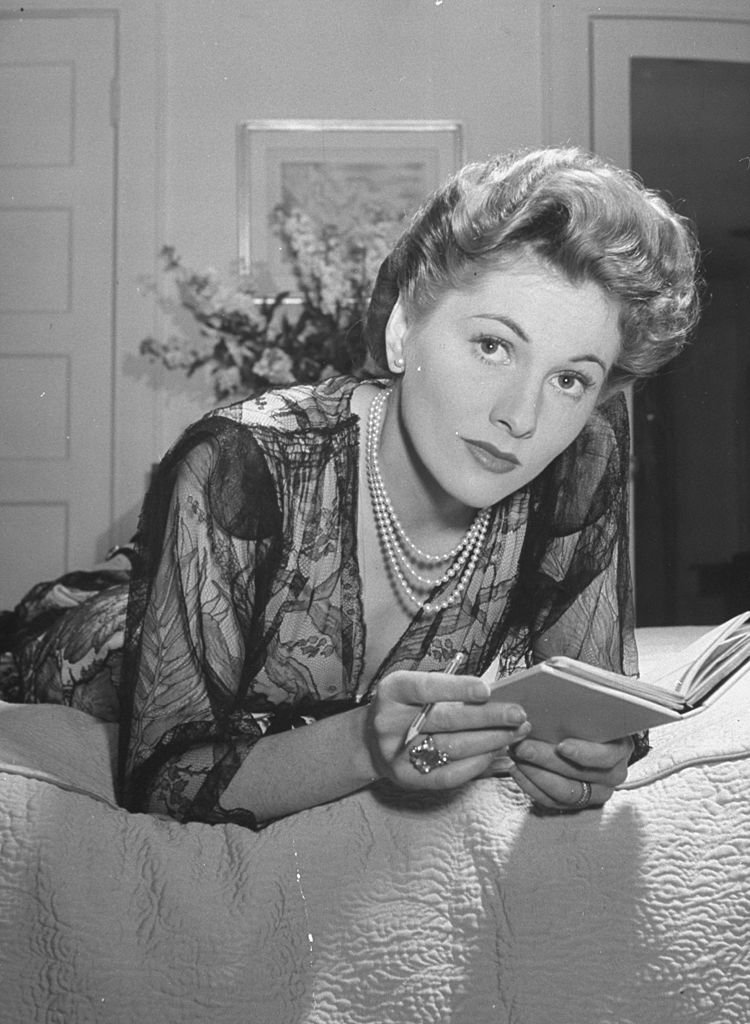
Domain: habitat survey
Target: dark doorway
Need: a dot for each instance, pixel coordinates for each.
(690, 139)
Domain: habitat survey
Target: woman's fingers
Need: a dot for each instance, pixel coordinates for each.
(601, 756)
(450, 775)
(452, 716)
(557, 793)
(446, 760)
(474, 743)
(560, 776)
(578, 759)
(456, 702)
(427, 687)
(463, 731)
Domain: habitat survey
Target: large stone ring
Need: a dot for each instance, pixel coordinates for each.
(425, 756)
(584, 799)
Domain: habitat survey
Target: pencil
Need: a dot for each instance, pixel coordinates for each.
(416, 726)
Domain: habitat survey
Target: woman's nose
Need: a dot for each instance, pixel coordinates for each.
(517, 410)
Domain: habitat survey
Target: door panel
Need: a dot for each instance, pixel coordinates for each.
(691, 515)
(672, 101)
(614, 44)
(56, 280)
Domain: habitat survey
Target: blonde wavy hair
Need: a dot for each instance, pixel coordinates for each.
(586, 218)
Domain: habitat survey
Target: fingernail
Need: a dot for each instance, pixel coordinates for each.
(524, 749)
(502, 764)
(477, 692)
(515, 716)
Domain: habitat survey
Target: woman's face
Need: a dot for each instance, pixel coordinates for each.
(497, 380)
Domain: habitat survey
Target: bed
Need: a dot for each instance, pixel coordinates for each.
(468, 908)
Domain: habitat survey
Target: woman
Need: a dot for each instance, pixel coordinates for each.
(318, 556)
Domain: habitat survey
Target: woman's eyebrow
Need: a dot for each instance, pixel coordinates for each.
(591, 359)
(507, 320)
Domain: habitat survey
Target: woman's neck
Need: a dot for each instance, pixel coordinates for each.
(426, 511)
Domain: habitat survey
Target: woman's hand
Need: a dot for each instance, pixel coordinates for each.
(554, 776)
(464, 725)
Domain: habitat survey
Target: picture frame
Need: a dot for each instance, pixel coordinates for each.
(328, 168)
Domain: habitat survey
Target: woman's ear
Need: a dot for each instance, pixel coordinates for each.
(395, 334)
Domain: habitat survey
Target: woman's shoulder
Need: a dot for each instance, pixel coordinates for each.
(238, 455)
(605, 440)
(589, 479)
(253, 438)
(309, 409)
(610, 422)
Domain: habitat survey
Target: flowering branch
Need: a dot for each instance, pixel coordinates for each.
(251, 341)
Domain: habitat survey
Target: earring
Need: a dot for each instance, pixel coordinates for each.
(398, 363)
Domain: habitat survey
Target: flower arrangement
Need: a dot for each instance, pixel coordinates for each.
(251, 341)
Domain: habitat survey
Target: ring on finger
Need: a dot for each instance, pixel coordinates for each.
(425, 756)
(584, 799)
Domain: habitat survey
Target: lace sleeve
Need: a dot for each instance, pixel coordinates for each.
(193, 642)
(575, 594)
(576, 583)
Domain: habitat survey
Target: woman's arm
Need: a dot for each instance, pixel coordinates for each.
(186, 723)
(301, 768)
(199, 746)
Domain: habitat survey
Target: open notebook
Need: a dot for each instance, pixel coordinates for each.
(563, 697)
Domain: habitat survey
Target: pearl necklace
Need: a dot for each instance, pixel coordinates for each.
(402, 554)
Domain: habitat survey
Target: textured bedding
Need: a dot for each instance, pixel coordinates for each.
(377, 908)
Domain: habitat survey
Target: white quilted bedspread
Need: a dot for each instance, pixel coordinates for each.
(378, 909)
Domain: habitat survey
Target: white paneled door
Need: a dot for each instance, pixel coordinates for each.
(57, 232)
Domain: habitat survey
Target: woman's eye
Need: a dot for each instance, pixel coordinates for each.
(573, 384)
(493, 349)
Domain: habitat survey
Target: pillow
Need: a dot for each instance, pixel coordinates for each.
(62, 644)
(78, 660)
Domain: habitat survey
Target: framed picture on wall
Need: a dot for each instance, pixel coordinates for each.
(345, 176)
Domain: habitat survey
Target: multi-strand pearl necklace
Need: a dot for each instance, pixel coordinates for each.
(403, 556)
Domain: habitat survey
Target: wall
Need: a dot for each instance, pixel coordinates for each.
(476, 61)
(187, 72)
(191, 70)
(226, 61)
